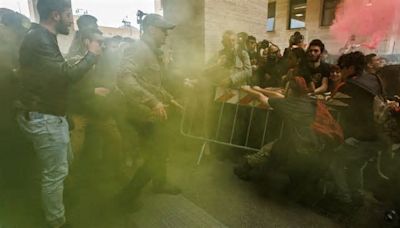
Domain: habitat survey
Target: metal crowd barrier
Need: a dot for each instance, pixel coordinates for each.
(204, 120)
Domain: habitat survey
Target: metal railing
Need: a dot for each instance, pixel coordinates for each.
(199, 118)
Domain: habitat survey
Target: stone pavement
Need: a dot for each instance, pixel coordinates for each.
(166, 211)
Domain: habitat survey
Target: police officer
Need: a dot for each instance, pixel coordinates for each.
(84, 22)
(141, 82)
(13, 27)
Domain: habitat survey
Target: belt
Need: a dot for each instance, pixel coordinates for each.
(28, 115)
(31, 115)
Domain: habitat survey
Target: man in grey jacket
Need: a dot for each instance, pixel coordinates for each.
(141, 81)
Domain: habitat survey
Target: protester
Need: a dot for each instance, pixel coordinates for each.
(252, 50)
(373, 64)
(295, 41)
(298, 151)
(335, 79)
(318, 69)
(361, 135)
(391, 79)
(270, 66)
(242, 41)
(296, 65)
(231, 66)
(45, 79)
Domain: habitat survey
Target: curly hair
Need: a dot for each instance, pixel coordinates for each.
(355, 59)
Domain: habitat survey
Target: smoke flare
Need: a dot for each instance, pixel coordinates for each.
(368, 20)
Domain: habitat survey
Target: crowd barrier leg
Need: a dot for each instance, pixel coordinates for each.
(219, 121)
(203, 148)
(265, 130)
(362, 175)
(234, 123)
(249, 126)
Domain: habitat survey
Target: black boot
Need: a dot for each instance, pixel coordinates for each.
(129, 200)
(243, 171)
(166, 188)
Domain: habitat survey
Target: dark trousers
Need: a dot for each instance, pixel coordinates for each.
(154, 167)
(349, 162)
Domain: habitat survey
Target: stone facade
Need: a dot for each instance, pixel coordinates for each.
(34, 15)
(238, 15)
(313, 28)
(250, 16)
(186, 41)
(158, 7)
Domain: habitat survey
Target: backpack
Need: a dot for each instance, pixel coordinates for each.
(387, 119)
(326, 126)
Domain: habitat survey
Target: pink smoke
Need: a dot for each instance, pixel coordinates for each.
(369, 20)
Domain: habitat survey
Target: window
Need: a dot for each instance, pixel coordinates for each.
(328, 12)
(297, 14)
(271, 16)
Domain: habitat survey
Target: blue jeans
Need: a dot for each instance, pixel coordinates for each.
(50, 137)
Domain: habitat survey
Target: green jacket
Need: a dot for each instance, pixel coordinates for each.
(141, 80)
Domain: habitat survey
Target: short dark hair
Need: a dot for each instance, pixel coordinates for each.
(86, 21)
(251, 38)
(334, 68)
(296, 38)
(369, 57)
(299, 53)
(263, 44)
(356, 59)
(317, 42)
(46, 7)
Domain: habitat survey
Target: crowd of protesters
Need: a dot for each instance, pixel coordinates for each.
(337, 117)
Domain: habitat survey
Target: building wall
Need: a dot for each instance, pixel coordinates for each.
(313, 29)
(238, 15)
(34, 15)
(158, 6)
(186, 41)
(131, 32)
